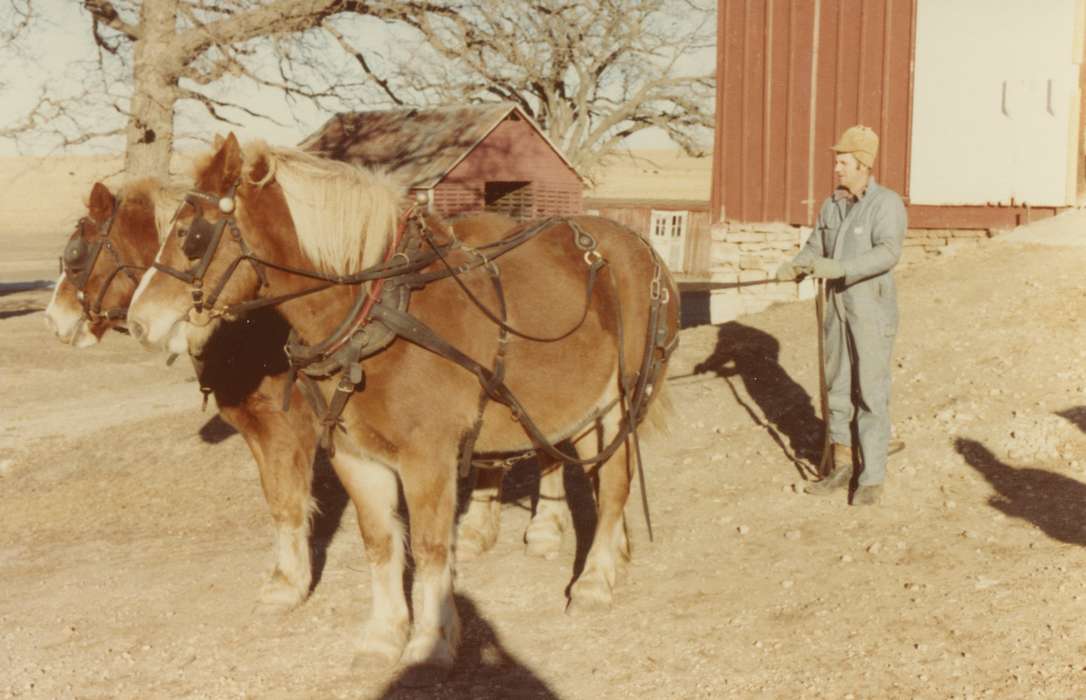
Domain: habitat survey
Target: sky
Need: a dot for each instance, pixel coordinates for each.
(63, 38)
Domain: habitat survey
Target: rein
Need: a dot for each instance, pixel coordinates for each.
(78, 262)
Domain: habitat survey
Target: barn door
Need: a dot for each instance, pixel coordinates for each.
(995, 103)
(667, 231)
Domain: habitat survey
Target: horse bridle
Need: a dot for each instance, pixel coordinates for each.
(79, 259)
(199, 242)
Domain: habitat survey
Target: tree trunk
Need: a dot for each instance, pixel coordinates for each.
(155, 73)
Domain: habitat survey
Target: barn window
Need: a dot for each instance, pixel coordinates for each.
(514, 199)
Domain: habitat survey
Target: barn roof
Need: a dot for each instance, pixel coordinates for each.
(421, 146)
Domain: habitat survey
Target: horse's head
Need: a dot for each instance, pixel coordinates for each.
(102, 263)
(248, 209)
(201, 261)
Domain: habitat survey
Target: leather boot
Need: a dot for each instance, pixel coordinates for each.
(839, 477)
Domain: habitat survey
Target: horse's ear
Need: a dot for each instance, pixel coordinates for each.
(225, 167)
(101, 202)
(258, 169)
(217, 142)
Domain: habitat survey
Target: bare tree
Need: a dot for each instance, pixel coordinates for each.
(154, 54)
(590, 72)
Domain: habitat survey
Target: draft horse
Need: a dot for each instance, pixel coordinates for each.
(242, 365)
(560, 330)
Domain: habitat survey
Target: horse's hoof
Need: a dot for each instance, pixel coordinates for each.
(278, 597)
(543, 538)
(470, 544)
(424, 675)
(381, 647)
(372, 662)
(588, 596)
(428, 650)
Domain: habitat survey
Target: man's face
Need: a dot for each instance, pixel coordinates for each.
(851, 174)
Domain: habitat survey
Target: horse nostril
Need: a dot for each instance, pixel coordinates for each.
(136, 330)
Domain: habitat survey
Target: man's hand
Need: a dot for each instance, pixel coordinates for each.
(826, 268)
(787, 272)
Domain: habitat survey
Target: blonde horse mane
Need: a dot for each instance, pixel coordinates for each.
(165, 198)
(344, 215)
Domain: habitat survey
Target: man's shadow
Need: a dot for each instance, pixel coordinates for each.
(484, 669)
(1050, 501)
(753, 356)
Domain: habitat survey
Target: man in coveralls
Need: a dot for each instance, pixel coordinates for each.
(854, 246)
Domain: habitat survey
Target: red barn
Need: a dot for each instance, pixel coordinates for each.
(464, 158)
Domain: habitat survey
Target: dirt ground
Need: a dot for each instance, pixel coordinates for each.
(134, 536)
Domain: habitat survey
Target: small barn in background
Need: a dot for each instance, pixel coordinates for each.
(463, 158)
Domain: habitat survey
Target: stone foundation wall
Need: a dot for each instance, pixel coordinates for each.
(751, 253)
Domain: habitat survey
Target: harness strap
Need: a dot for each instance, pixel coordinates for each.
(594, 267)
(351, 379)
(467, 447)
(417, 332)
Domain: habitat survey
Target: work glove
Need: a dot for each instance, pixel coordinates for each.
(787, 272)
(826, 268)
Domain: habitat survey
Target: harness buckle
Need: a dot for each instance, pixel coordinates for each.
(592, 257)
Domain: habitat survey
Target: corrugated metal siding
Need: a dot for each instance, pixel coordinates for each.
(792, 75)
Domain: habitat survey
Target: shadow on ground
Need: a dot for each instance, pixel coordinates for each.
(215, 430)
(1050, 501)
(1075, 415)
(14, 313)
(16, 287)
(785, 409)
(484, 669)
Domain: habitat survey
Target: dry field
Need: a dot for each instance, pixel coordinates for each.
(134, 537)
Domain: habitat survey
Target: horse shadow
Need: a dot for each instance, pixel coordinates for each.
(484, 669)
(1050, 501)
(15, 313)
(216, 430)
(7, 288)
(753, 356)
(1076, 415)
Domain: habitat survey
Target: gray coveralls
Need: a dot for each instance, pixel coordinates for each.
(861, 315)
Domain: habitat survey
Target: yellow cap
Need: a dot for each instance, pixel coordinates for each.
(860, 141)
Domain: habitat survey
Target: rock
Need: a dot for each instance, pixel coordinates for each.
(743, 529)
(874, 548)
(793, 534)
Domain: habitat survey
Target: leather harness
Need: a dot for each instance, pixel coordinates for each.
(79, 259)
(380, 315)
